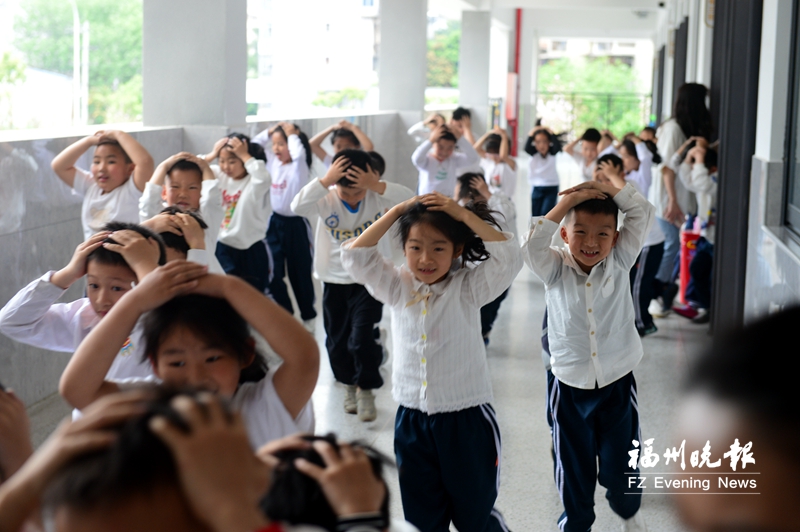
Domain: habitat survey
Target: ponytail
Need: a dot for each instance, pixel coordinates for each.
(303, 139)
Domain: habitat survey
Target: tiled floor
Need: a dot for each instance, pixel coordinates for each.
(528, 497)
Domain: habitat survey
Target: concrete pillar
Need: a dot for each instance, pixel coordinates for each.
(194, 62)
(473, 66)
(528, 75)
(403, 61)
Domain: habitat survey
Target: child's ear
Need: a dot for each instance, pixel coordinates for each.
(616, 236)
(565, 237)
(129, 168)
(164, 192)
(458, 251)
(251, 352)
(154, 365)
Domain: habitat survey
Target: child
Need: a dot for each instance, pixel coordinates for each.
(187, 182)
(437, 166)
(464, 117)
(423, 129)
(202, 340)
(183, 233)
(586, 158)
(593, 344)
(542, 174)
(447, 442)
(499, 168)
(347, 201)
(611, 170)
(245, 185)
(112, 187)
(35, 318)
(472, 187)
(345, 136)
(289, 235)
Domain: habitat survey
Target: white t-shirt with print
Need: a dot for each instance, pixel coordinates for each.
(99, 208)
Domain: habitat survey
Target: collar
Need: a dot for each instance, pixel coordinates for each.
(349, 208)
(422, 291)
(603, 265)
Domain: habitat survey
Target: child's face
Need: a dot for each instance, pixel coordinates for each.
(105, 284)
(542, 143)
(493, 156)
(343, 143)
(183, 189)
(109, 167)
(443, 149)
(185, 359)
(280, 148)
(588, 150)
(429, 254)
(590, 238)
(629, 162)
(350, 195)
(230, 164)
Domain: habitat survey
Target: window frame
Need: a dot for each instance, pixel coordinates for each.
(791, 212)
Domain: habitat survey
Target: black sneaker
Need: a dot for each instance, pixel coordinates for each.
(668, 296)
(647, 330)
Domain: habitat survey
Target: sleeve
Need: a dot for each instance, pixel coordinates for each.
(262, 139)
(414, 130)
(700, 179)
(33, 317)
(544, 261)
(83, 180)
(639, 218)
(306, 202)
(685, 175)
(670, 138)
(296, 149)
(491, 277)
(530, 149)
(395, 194)
(643, 178)
(420, 155)
(368, 267)
(468, 155)
(258, 172)
(150, 203)
(198, 256)
(211, 207)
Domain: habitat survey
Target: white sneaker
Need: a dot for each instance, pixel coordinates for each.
(350, 401)
(310, 325)
(634, 524)
(366, 405)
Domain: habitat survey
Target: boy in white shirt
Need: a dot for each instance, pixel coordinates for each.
(187, 182)
(438, 162)
(594, 344)
(499, 168)
(347, 200)
(112, 188)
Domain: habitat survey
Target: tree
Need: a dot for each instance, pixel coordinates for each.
(593, 92)
(347, 98)
(12, 71)
(443, 50)
(44, 36)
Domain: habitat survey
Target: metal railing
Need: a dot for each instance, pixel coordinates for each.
(577, 111)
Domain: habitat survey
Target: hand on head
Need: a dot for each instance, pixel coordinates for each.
(337, 170)
(176, 278)
(140, 253)
(479, 184)
(586, 191)
(219, 145)
(363, 179)
(238, 147)
(436, 201)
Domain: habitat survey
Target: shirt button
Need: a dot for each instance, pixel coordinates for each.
(541, 222)
(424, 360)
(424, 311)
(594, 354)
(425, 383)
(424, 336)
(588, 284)
(592, 333)
(590, 310)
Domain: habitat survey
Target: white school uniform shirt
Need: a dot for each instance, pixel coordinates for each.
(287, 179)
(245, 204)
(670, 137)
(542, 171)
(263, 412)
(439, 356)
(499, 176)
(339, 223)
(33, 317)
(119, 205)
(150, 204)
(697, 179)
(590, 317)
(440, 176)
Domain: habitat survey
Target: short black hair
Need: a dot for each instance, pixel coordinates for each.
(711, 158)
(466, 190)
(357, 158)
(178, 242)
(591, 135)
(296, 498)
(597, 206)
(650, 129)
(461, 112)
(110, 142)
(112, 258)
(133, 464)
(492, 143)
(448, 135)
(347, 135)
(187, 166)
(378, 163)
(630, 147)
(211, 319)
(612, 158)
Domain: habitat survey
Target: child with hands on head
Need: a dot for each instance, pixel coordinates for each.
(348, 199)
(498, 166)
(542, 173)
(438, 161)
(344, 136)
(245, 185)
(593, 342)
(112, 187)
(196, 334)
(187, 182)
(439, 373)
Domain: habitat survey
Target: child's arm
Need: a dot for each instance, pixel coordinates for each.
(530, 149)
(612, 174)
(437, 201)
(150, 203)
(420, 155)
(305, 203)
(606, 140)
(505, 149)
(363, 139)
(375, 232)
(140, 253)
(64, 163)
(468, 155)
(138, 154)
(570, 148)
(214, 153)
(296, 149)
(83, 380)
(478, 144)
(296, 377)
(316, 141)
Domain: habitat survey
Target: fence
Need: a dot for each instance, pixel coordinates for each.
(577, 111)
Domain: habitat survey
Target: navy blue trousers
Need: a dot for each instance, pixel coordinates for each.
(289, 241)
(251, 264)
(489, 313)
(449, 466)
(593, 428)
(543, 199)
(643, 283)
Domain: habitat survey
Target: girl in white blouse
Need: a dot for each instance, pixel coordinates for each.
(447, 441)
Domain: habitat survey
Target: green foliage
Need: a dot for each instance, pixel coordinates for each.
(44, 36)
(12, 70)
(347, 98)
(252, 53)
(443, 50)
(441, 100)
(600, 93)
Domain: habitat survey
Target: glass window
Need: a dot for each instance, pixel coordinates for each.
(793, 157)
